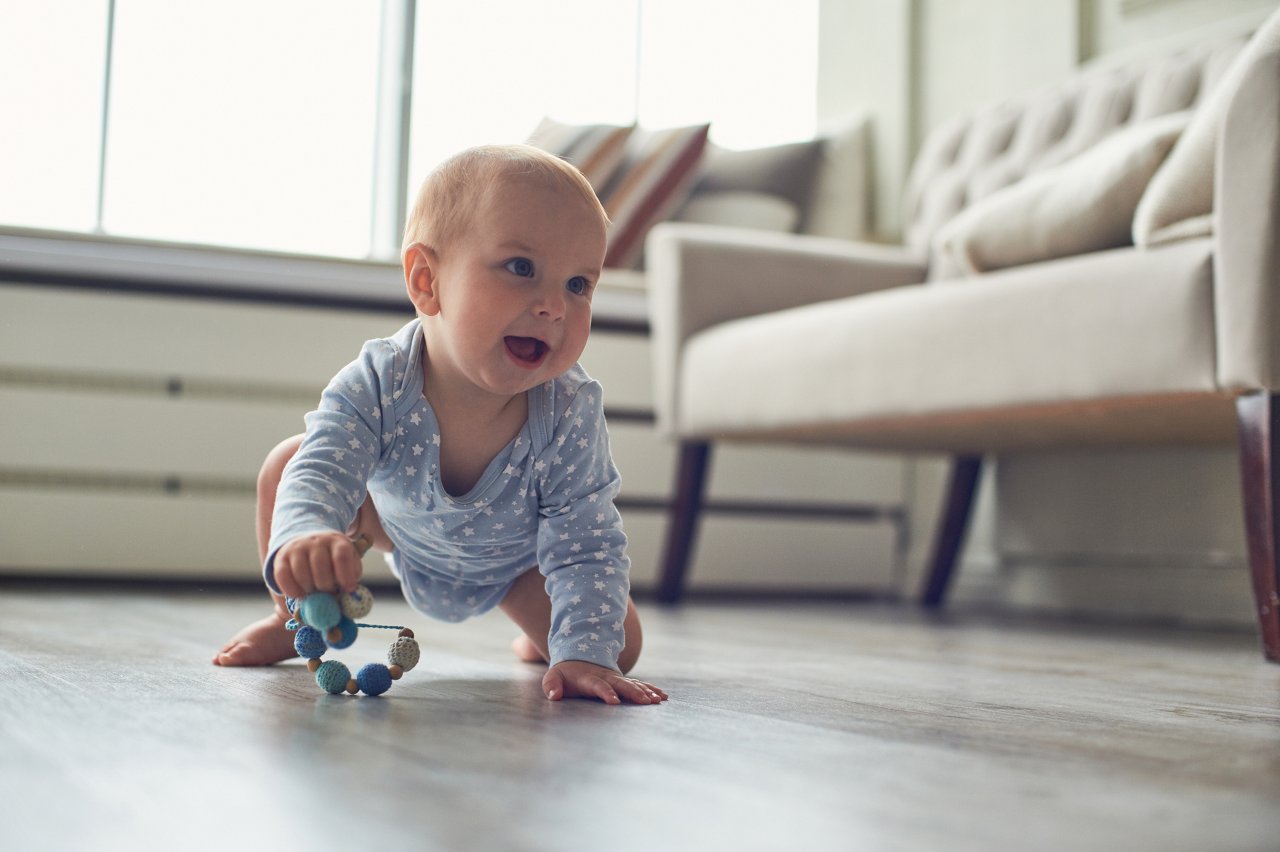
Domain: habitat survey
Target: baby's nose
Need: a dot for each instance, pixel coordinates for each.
(550, 303)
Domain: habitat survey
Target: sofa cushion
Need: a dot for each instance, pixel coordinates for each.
(596, 149)
(784, 172)
(1179, 201)
(754, 210)
(1083, 205)
(1113, 324)
(655, 177)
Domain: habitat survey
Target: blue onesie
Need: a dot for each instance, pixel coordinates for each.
(546, 500)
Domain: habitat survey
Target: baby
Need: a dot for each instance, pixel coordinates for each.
(471, 447)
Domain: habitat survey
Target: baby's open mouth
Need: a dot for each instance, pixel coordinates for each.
(528, 350)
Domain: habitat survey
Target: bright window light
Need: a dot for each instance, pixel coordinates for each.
(52, 59)
(253, 125)
(487, 71)
(749, 67)
(243, 123)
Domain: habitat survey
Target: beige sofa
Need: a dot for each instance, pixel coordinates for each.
(1093, 265)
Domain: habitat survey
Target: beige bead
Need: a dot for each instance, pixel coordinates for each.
(314, 664)
(404, 653)
(335, 635)
(352, 686)
(396, 672)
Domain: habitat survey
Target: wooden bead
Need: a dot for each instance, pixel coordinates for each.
(335, 636)
(396, 672)
(352, 686)
(314, 664)
(407, 632)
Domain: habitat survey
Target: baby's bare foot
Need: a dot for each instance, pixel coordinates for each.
(260, 644)
(526, 650)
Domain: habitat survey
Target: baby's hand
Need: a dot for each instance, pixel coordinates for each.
(329, 562)
(579, 679)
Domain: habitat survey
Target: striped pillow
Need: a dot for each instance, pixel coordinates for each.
(658, 171)
(596, 149)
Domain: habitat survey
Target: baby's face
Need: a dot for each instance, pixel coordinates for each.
(515, 288)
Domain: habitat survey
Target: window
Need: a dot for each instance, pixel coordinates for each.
(257, 132)
(265, 125)
(52, 62)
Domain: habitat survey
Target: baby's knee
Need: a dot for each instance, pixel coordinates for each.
(274, 464)
(634, 639)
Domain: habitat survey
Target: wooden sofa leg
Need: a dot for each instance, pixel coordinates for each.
(954, 523)
(1258, 416)
(691, 476)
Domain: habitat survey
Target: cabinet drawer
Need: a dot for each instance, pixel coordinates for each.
(49, 328)
(620, 362)
(115, 534)
(760, 555)
(140, 434)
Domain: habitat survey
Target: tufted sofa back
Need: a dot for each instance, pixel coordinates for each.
(976, 154)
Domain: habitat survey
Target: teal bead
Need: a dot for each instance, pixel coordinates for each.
(320, 610)
(309, 643)
(349, 631)
(374, 679)
(332, 676)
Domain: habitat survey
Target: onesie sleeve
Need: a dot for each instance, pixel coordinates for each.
(582, 549)
(325, 483)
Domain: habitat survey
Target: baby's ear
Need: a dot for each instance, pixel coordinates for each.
(420, 264)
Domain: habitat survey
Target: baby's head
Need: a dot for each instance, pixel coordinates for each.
(502, 254)
(452, 192)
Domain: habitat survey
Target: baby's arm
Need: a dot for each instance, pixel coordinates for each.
(582, 553)
(325, 482)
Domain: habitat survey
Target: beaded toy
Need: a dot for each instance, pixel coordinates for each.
(325, 620)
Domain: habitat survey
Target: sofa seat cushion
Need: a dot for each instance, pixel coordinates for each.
(1125, 323)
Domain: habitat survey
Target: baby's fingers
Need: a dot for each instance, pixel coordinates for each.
(638, 692)
(347, 567)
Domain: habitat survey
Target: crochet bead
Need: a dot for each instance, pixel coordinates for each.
(343, 635)
(320, 610)
(333, 676)
(404, 653)
(356, 604)
(374, 679)
(308, 643)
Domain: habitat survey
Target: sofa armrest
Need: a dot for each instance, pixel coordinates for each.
(1246, 211)
(701, 275)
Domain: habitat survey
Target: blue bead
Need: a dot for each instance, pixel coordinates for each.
(309, 643)
(291, 604)
(349, 631)
(320, 610)
(374, 679)
(332, 676)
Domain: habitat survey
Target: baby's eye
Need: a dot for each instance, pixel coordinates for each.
(521, 266)
(577, 285)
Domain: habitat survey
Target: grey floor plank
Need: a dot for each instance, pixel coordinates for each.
(790, 727)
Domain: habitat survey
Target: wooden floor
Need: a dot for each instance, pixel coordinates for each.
(790, 726)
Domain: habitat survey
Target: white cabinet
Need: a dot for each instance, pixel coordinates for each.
(132, 427)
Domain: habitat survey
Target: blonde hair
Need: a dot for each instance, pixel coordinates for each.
(453, 188)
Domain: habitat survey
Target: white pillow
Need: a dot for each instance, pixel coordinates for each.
(1083, 205)
(1179, 201)
(758, 210)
